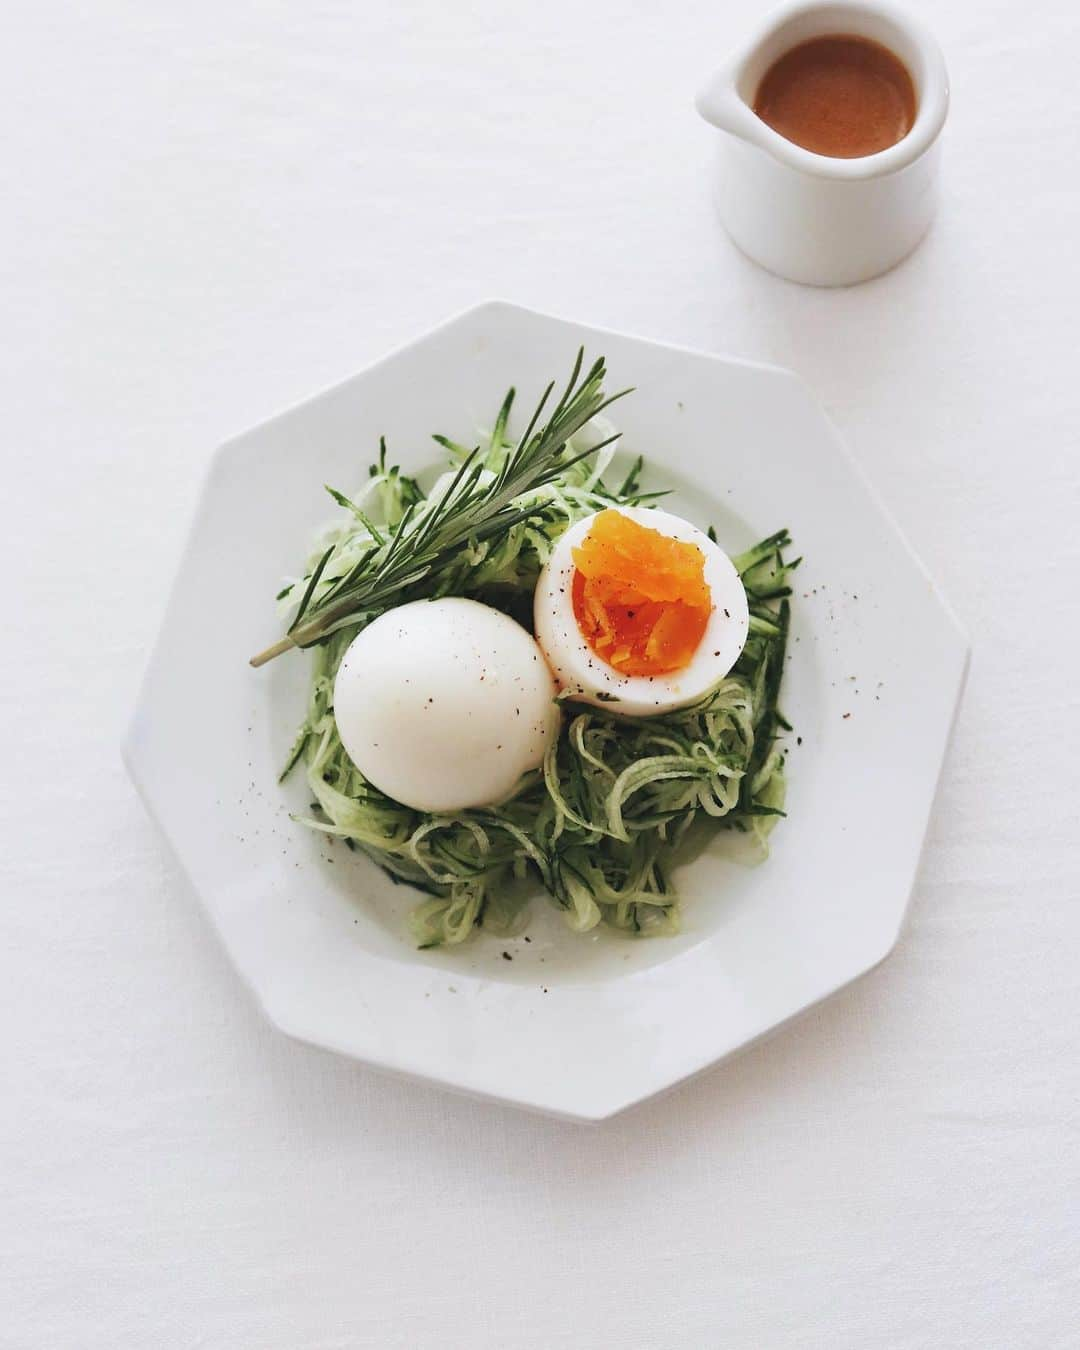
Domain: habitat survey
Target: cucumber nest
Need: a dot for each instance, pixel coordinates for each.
(599, 824)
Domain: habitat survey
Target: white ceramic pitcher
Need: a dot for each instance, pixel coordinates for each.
(809, 217)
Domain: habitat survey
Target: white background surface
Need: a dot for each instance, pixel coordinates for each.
(212, 211)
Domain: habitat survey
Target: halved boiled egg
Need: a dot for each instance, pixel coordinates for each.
(639, 611)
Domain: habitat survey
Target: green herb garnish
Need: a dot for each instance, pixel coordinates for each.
(471, 511)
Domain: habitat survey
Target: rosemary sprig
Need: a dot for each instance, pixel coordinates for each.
(426, 542)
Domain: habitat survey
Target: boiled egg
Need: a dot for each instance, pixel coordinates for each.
(639, 611)
(445, 704)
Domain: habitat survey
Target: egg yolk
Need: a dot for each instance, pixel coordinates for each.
(640, 597)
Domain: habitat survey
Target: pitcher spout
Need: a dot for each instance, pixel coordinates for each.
(720, 103)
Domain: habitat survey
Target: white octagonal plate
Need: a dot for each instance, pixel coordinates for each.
(578, 1026)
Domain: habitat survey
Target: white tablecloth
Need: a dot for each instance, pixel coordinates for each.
(211, 211)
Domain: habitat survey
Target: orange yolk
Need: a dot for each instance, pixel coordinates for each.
(640, 597)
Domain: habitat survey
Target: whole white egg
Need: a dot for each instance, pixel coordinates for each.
(581, 672)
(444, 704)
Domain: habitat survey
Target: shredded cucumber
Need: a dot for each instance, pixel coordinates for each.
(600, 823)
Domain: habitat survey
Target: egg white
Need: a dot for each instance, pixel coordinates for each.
(444, 704)
(586, 676)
